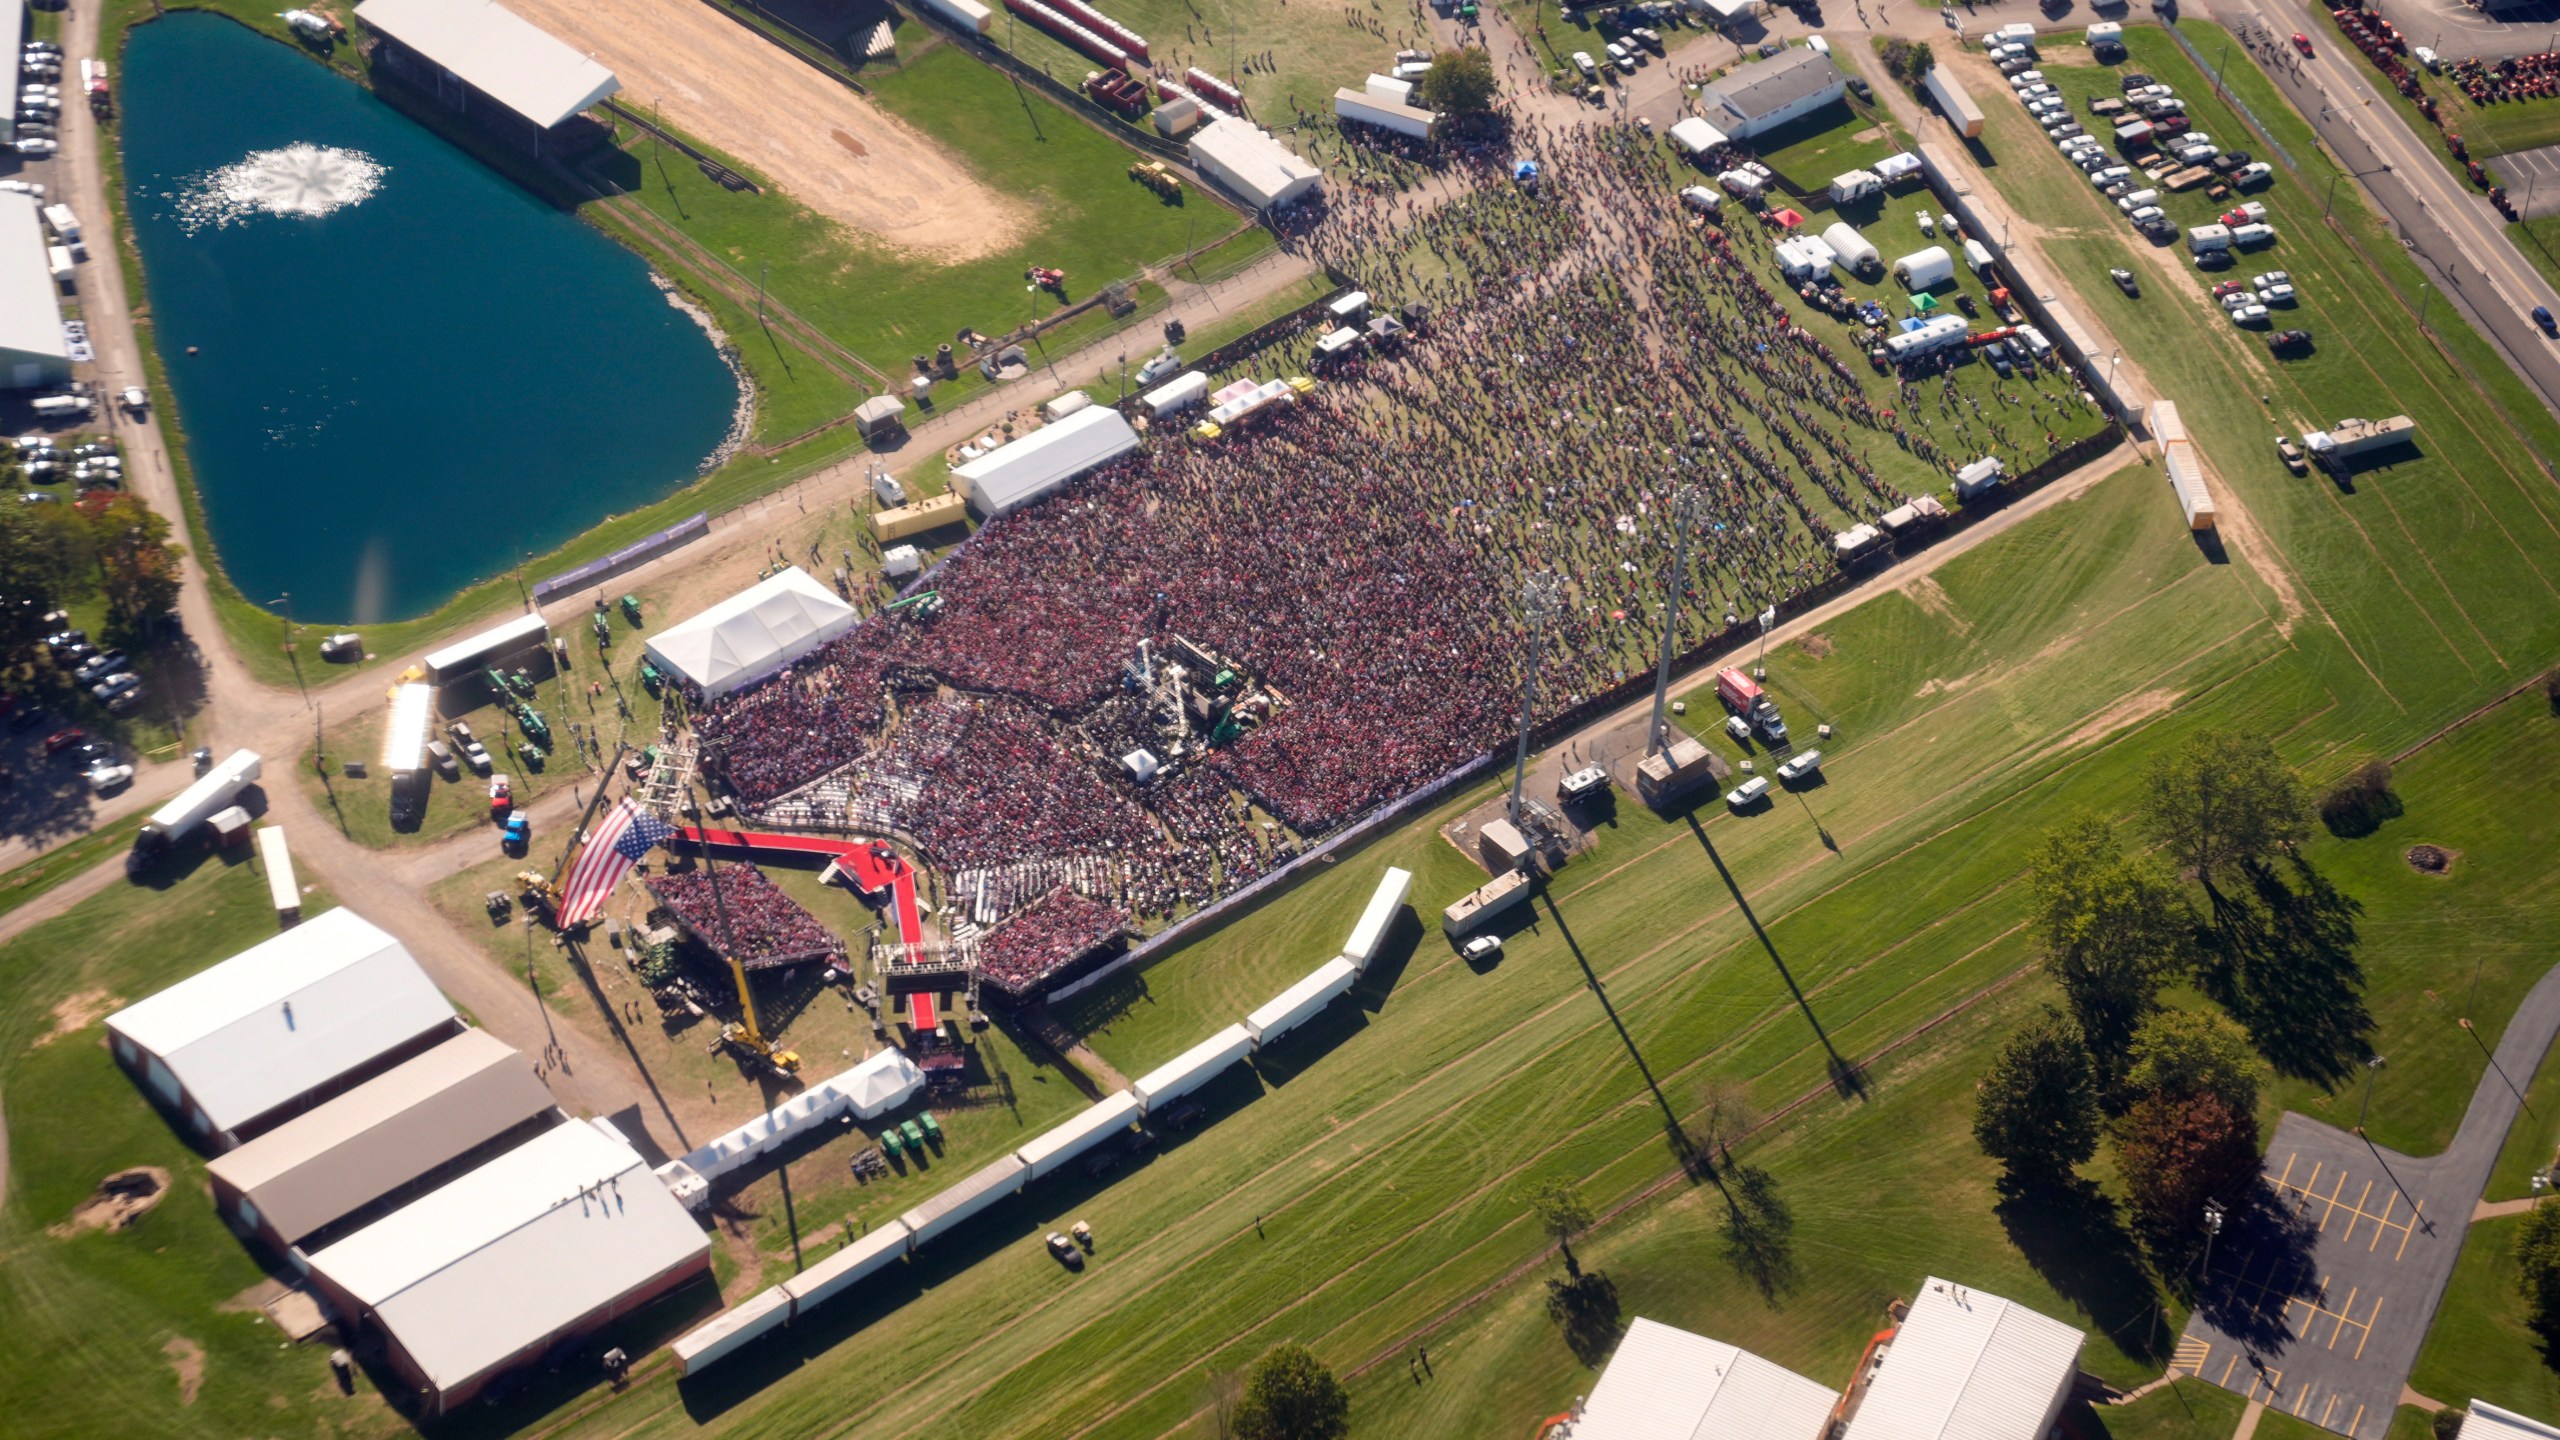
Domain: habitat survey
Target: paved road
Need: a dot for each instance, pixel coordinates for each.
(2321, 1296)
(2446, 226)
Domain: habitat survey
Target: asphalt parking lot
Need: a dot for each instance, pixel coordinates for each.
(2533, 180)
(2321, 1290)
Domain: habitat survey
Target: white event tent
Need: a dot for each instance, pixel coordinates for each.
(752, 634)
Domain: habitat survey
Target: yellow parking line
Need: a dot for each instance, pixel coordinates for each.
(2357, 1423)
(2388, 1202)
(2356, 1212)
(2416, 1208)
(2343, 1312)
(2334, 1192)
(2303, 1399)
(2368, 1326)
(2328, 1409)
(2225, 1381)
(2288, 1168)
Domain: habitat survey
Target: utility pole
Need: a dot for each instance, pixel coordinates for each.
(1688, 509)
(2371, 1067)
(2212, 1229)
(1541, 601)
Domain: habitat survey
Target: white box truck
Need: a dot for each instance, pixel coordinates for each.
(66, 225)
(1300, 1003)
(178, 819)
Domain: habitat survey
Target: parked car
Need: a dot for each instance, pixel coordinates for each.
(2291, 455)
(115, 687)
(1482, 948)
(1799, 765)
(2251, 314)
(2542, 317)
(64, 739)
(2257, 172)
(2289, 342)
(1749, 793)
(2229, 288)
(2277, 295)
(100, 667)
(105, 777)
(2126, 283)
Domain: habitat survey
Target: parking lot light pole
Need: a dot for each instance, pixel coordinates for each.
(2212, 1228)
(2370, 1066)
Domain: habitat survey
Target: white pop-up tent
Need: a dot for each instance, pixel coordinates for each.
(752, 634)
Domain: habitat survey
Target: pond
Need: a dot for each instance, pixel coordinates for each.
(398, 371)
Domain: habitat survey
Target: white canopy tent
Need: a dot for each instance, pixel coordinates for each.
(752, 634)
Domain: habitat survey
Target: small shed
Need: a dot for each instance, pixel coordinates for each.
(1925, 269)
(1979, 476)
(1504, 847)
(880, 418)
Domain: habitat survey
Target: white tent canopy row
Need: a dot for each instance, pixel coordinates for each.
(752, 634)
(876, 1086)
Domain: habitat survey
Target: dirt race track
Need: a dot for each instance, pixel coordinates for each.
(830, 149)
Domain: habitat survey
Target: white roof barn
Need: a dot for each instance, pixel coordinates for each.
(1013, 475)
(1965, 1365)
(753, 633)
(33, 351)
(283, 1024)
(496, 52)
(559, 1233)
(2484, 1421)
(1667, 1384)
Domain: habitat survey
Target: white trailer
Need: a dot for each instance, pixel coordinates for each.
(1979, 476)
(404, 740)
(1388, 90)
(66, 225)
(2356, 437)
(1193, 1068)
(965, 1199)
(175, 821)
(1059, 1144)
(1385, 904)
(1953, 103)
(1175, 395)
(1299, 1003)
(1850, 187)
(64, 264)
(716, 1337)
(282, 887)
(2185, 466)
(1933, 335)
(883, 1246)
(969, 15)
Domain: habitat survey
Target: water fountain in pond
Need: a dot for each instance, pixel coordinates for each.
(301, 181)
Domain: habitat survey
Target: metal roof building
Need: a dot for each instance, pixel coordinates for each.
(2484, 1421)
(1965, 1365)
(281, 1026)
(1667, 1384)
(33, 351)
(476, 47)
(1014, 475)
(1766, 94)
(317, 1169)
(552, 1238)
(1245, 158)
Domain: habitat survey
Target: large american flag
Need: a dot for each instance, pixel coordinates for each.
(618, 842)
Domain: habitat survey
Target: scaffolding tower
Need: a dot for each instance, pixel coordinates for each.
(1688, 511)
(1541, 601)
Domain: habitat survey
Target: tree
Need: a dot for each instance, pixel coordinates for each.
(2538, 1273)
(2036, 1111)
(1563, 1214)
(43, 563)
(2179, 1052)
(2114, 927)
(2176, 1152)
(137, 566)
(1459, 82)
(2221, 799)
(1292, 1396)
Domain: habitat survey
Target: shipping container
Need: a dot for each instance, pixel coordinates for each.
(1099, 1123)
(1386, 903)
(1193, 1068)
(717, 1337)
(885, 1244)
(1299, 1003)
(961, 1201)
(1953, 103)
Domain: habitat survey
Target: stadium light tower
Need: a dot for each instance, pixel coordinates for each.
(1688, 510)
(1541, 601)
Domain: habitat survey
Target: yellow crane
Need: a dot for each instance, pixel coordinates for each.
(743, 1034)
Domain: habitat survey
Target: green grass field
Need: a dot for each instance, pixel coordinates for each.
(2480, 1348)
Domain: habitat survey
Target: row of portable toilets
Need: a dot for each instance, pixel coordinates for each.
(1108, 1119)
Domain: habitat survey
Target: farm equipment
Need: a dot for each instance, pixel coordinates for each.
(536, 729)
(631, 610)
(1157, 176)
(650, 679)
(604, 632)
(1049, 279)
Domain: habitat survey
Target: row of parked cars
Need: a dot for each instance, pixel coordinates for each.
(106, 675)
(39, 97)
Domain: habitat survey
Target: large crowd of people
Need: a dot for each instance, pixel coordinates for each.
(1047, 935)
(749, 918)
(1589, 348)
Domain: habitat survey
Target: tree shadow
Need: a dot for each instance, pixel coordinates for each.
(2261, 1264)
(1759, 1231)
(2281, 959)
(2074, 1236)
(1585, 1307)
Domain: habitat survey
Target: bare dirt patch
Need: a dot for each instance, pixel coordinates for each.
(119, 1200)
(712, 78)
(2432, 859)
(75, 1013)
(1814, 644)
(1929, 595)
(187, 1358)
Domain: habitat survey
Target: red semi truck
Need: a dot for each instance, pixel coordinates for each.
(1742, 695)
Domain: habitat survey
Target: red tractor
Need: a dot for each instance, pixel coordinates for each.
(1054, 281)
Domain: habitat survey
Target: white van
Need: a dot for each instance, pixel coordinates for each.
(2137, 200)
(2254, 235)
(1702, 200)
(2209, 237)
(1978, 255)
(1749, 793)
(1800, 765)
